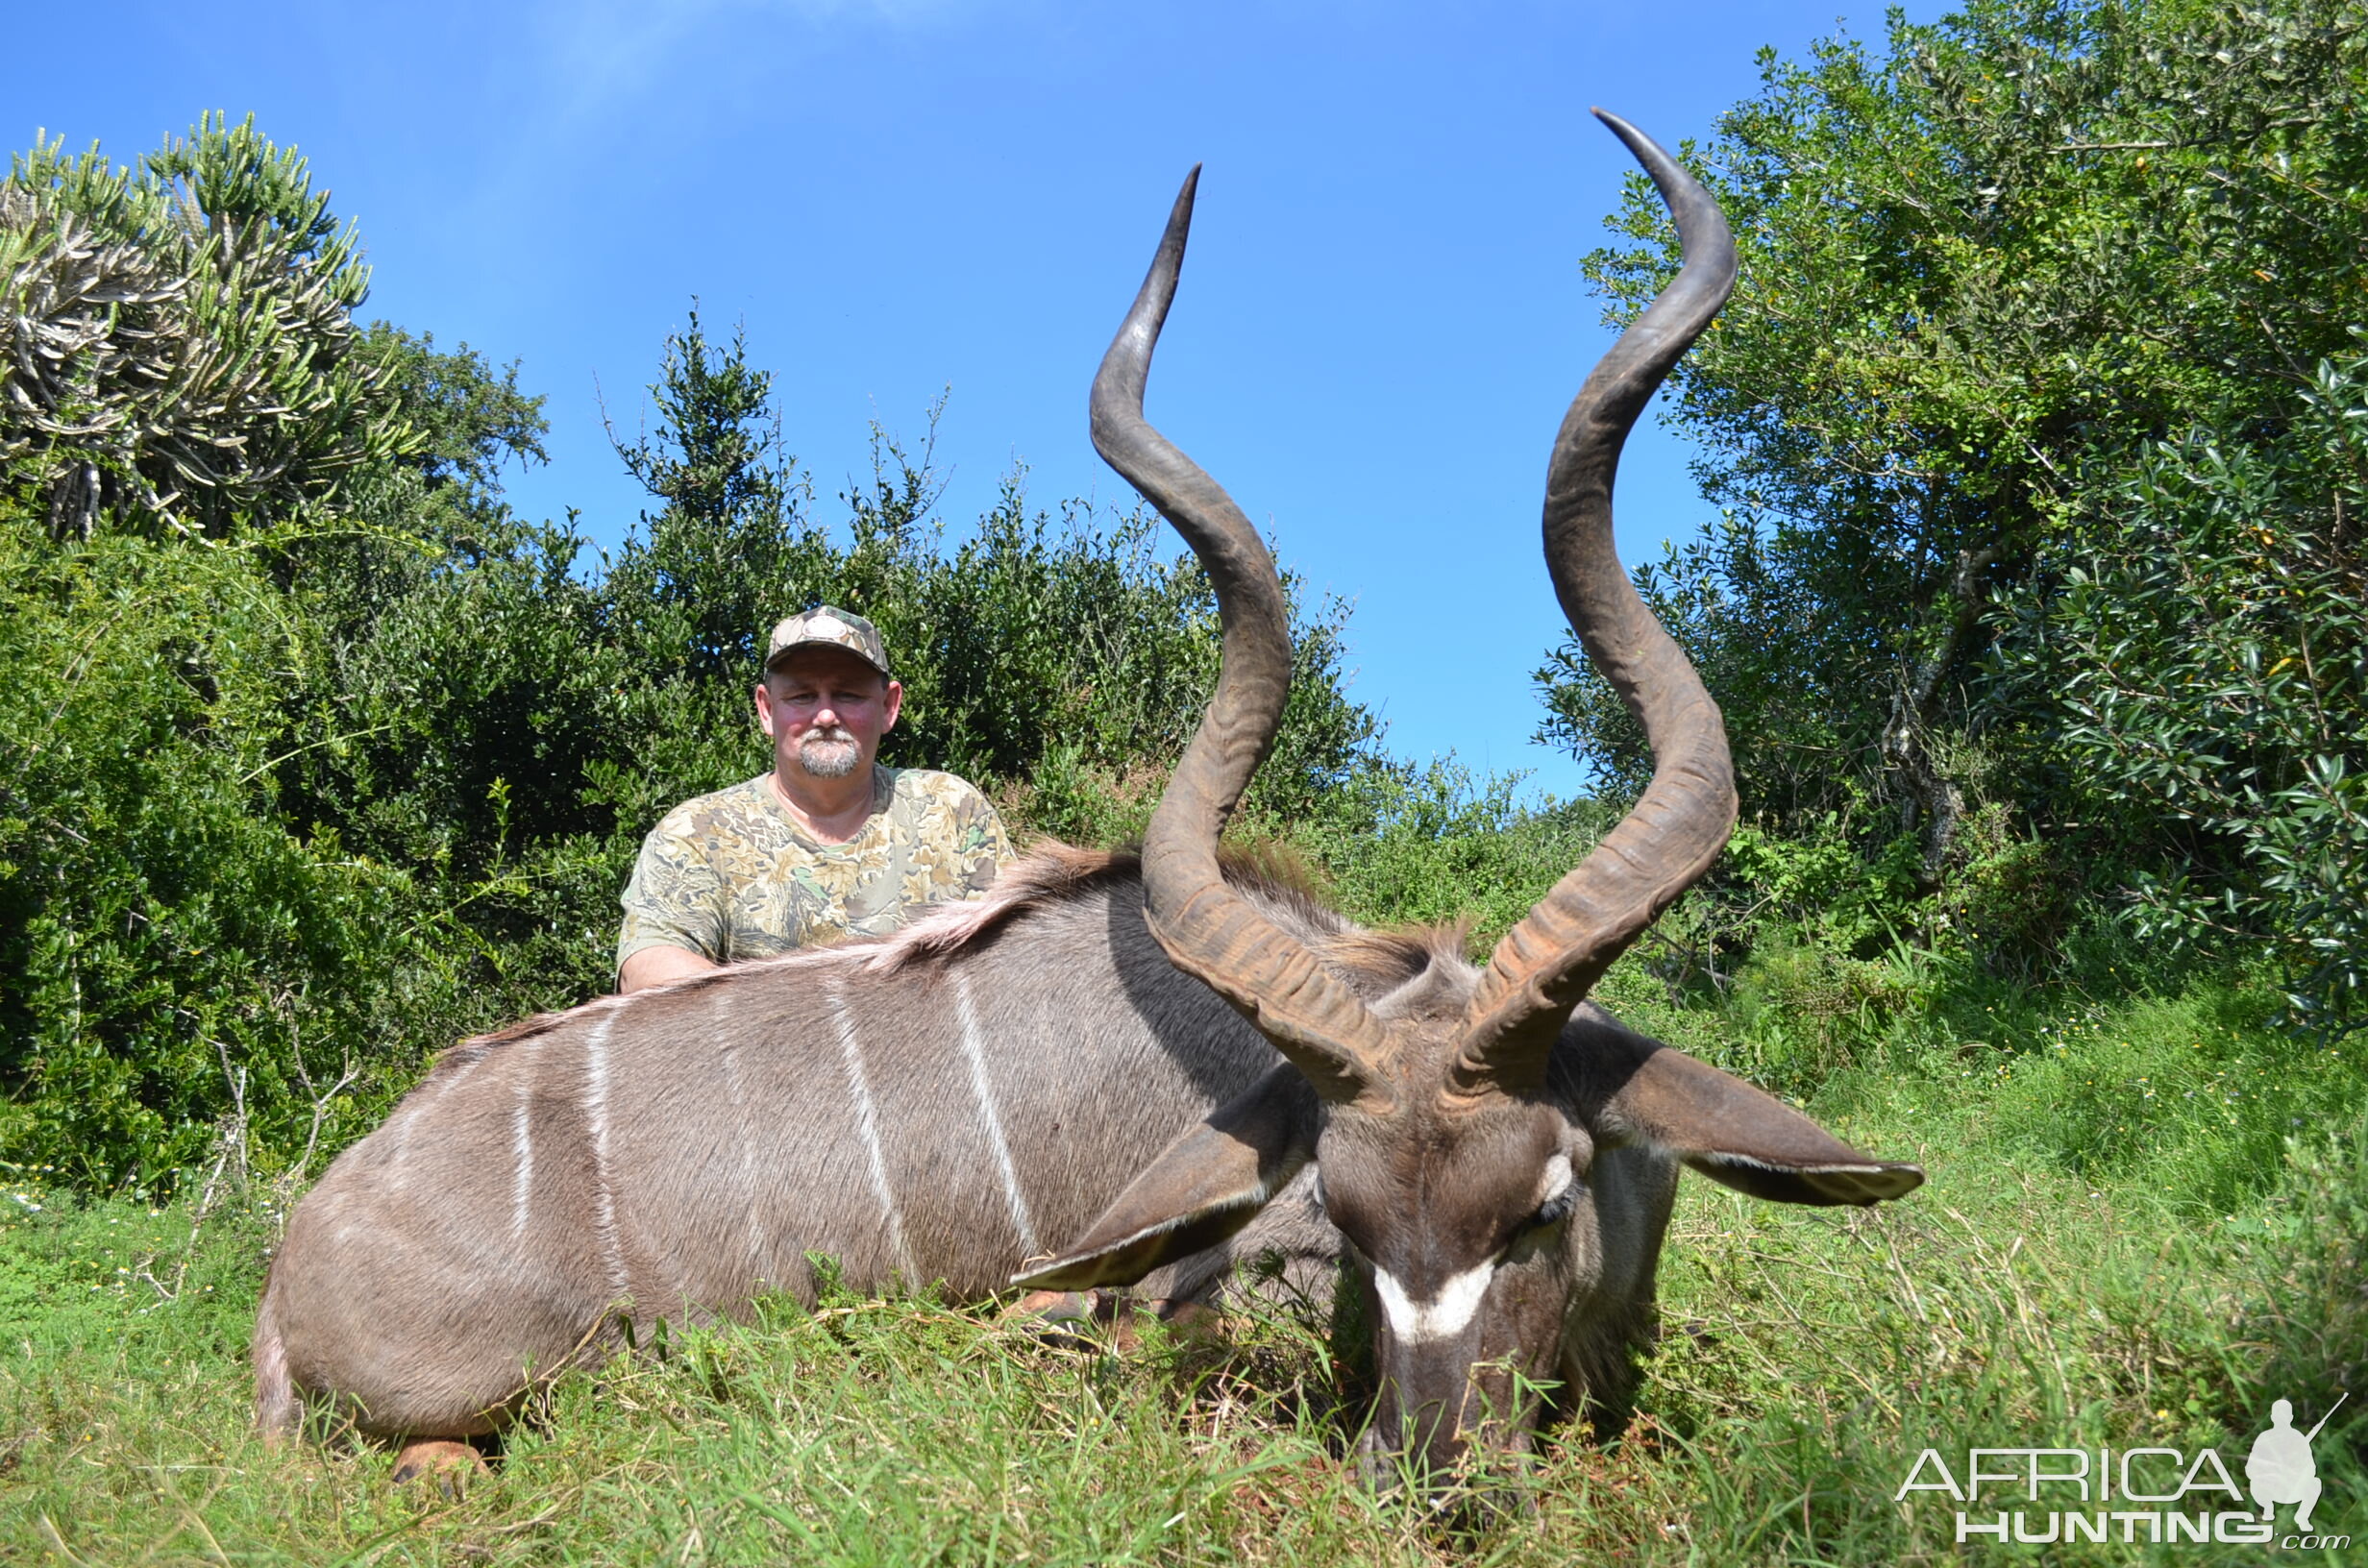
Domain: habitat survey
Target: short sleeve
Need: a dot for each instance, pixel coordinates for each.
(992, 849)
(674, 900)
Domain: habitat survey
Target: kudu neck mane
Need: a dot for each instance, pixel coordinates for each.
(1375, 962)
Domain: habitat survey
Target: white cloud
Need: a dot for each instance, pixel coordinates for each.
(601, 52)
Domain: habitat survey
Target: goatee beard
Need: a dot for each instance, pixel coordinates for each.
(830, 757)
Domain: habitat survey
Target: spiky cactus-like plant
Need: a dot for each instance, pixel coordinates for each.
(180, 343)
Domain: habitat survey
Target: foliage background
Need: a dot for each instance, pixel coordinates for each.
(2035, 424)
(319, 758)
(2036, 612)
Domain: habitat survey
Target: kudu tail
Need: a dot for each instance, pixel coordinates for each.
(277, 1409)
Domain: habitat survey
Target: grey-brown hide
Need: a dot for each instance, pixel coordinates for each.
(964, 1099)
(944, 1105)
(1500, 1246)
(938, 1106)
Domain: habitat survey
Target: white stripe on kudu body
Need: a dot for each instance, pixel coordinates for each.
(595, 1112)
(992, 1123)
(867, 1124)
(522, 1147)
(1442, 1317)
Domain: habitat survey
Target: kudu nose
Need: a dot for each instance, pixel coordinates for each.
(1418, 1450)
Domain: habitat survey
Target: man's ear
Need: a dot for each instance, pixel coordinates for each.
(1201, 1189)
(1639, 1092)
(763, 698)
(892, 704)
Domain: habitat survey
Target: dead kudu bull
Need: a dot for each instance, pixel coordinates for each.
(960, 1102)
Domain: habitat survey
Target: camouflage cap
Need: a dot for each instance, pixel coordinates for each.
(823, 626)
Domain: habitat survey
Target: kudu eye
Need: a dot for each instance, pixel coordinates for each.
(1555, 1209)
(1561, 1194)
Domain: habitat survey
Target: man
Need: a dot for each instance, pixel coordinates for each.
(826, 846)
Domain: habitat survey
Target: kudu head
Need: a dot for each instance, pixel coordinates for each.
(1455, 1146)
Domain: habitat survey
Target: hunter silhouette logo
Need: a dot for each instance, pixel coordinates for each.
(2280, 1469)
(2141, 1495)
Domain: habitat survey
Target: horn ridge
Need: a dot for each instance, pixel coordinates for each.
(1547, 964)
(1207, 929)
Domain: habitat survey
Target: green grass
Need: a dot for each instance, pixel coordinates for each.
(2147, 1217)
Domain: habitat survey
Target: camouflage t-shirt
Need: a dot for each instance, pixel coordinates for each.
(732, 876)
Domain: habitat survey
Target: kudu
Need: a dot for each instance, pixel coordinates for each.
(940, 1104)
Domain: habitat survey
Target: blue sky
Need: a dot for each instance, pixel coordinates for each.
(1381, 321)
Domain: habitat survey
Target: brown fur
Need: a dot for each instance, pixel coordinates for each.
(1056, 872)
(685, 1147)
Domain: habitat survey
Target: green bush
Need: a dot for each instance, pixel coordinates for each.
(286, 808)
(2034, 428)
(2207, 654)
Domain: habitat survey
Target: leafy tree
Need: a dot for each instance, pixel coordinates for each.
(2209, 656)
(1986, 275)
(287, 808)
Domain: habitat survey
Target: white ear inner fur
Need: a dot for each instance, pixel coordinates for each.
(1445, 1316)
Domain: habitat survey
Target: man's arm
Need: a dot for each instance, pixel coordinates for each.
(655, 965)
(672, 912)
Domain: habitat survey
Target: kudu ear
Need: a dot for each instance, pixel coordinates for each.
(1729, 1131)
(1201, 1189)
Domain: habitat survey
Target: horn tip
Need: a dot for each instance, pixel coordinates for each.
(1180, 216)
(1637, 141)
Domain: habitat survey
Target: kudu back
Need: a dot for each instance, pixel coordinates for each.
(1099, 1071)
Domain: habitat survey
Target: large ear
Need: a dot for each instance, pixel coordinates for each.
(1205, 1185)
(1635, 1090)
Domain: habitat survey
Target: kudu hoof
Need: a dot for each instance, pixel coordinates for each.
(451, 1465)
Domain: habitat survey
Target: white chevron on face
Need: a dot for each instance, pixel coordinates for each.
(1443, 1316)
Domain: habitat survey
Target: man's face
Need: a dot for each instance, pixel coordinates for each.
(825, 710)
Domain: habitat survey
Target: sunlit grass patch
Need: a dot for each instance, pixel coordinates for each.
(2025, 1295)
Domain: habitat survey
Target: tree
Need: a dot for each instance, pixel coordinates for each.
(315, 758)
(1986, 275)
(184, 353)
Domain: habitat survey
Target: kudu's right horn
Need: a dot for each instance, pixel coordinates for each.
(1546, 964)
(1208, 929)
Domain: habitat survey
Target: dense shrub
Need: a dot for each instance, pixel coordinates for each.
(2034, 424)
(288, 806)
